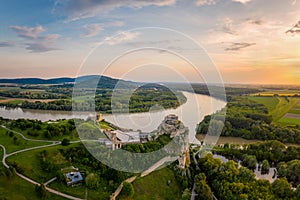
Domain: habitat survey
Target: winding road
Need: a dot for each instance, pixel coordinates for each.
(54, 143)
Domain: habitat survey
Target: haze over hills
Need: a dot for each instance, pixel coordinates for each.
(88, 81)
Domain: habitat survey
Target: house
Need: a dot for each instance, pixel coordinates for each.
(72, 175)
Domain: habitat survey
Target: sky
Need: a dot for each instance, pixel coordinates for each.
(241, 41)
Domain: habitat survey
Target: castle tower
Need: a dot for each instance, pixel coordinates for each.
(99, 117)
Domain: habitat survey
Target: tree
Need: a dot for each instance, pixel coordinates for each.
(298, 192)
(127, 189)
(92, 181)
(265, 168)
(246, 175)
(41, 191)
(11, 134)
(202, 188)
(65, 142)
(282, 189)
(250, 161)
(186, 195)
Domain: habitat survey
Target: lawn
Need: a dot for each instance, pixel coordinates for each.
(17, 188)
(31, 164)
(155, 186)
(13, 145)
(105, 125)
(79, 191)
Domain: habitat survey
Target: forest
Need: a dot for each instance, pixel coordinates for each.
(250, 120)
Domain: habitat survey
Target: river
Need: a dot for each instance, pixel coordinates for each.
(191, 113)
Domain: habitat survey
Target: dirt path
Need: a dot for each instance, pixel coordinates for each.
(293, 116)
(28, 139)
(30, 180)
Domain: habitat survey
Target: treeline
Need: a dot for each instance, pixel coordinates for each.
(227, 181)
(109, 178)
(213, 90)
(249, 120)
(142, 100)
(49, 130)
(272, 153)
(15, 93)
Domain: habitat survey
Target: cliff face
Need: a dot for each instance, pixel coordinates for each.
(180, 134)
(171, 126)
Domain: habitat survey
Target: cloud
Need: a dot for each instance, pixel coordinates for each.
(39, 47)
(28, 32)
(255, 22)
(205, 2)
(79, 9)
(238, 46)
(6, 44)
(121, 37)
(242, 1)
(213, 2)
(92, 30)
(295, 29)
(228, 26)
(34, 41)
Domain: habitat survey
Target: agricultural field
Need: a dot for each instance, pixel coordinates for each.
(284, 111)
(279, 92)
(292, 117)
(270, 102)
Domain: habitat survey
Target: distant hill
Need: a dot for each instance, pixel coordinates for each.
(85, 81)
(37, 81)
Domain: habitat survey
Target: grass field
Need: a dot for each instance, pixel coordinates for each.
(277, 106)
(295, 111)
(270, 102)
(289, 121)
(31, 164)
(79, 191)
(16, 188)
(283, 92)
(72, 136)
(11, 145)
(283, 107)
(155, 186)
(105, 125)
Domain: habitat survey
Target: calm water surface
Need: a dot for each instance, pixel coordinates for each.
(190, 113)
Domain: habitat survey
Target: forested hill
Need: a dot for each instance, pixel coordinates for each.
(37, 81)
(103, 81)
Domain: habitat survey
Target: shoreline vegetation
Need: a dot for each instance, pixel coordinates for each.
(255, 119)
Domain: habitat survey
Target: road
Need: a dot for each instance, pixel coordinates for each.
(158, 164)
(54, 143)
(145, 173)
(4, 156)
(28, 139)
